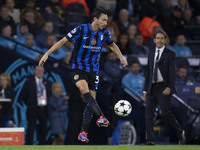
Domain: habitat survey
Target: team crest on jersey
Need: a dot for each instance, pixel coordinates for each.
(102, 36)
(93, 42)
(76, 76)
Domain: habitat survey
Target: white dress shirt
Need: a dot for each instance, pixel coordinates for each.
(42, 98)
(160, 78)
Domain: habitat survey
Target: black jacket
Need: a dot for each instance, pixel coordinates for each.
(7, 109)
(167, 68)
(29, 94)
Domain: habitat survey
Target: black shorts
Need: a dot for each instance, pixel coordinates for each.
(91, 78)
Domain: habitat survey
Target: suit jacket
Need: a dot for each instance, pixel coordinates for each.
(29, 94)
(166, 65)
(7, 109)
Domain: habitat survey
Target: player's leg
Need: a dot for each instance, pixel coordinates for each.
(102, 121)
(90, 101)
(91, 107)
(93, 85)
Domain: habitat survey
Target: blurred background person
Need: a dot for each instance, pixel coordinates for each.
(166, 12)
(133, 79)
(22, 31)
(6, 91)
(132, 30)
(29, 49)
(31, 22)
(57, 110)
(6, 37)
(174, 24)
(41, 38)
(123, 21)
(187, 17)
(51, 16)
(132, 6)
(137, 47)
(60, 53)
(112, 27)
(13, 12)
(182, 77)
(147, 24)
(147, 5)
(184, 4)
(180, 48)
(36, 93)
(30, 6)
(6, 19)
(123, 44)
(58, 8)
(83, 2)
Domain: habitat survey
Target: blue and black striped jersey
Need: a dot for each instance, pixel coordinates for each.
(87, 47)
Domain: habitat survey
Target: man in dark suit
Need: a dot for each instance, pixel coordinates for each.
(35, 94)
(159, 86)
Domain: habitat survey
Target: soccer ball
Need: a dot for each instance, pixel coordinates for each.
(123, 108)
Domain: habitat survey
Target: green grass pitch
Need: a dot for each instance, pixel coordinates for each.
(98, 147)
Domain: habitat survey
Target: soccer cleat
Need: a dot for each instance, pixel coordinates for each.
(102, 122)
(83, 137)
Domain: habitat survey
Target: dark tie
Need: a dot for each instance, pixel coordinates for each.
(155, 77)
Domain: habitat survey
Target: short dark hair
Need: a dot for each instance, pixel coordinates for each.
(22, 24)
(138, 34)
(98, 11)
(136, 61)
(180, 34)
(182, 66)
(4, 26)
(162, 32)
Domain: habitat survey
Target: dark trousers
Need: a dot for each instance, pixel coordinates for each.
(154, 98)
(41, 116)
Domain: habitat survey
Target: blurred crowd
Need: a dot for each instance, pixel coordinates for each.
(31, 27)
(131, 23)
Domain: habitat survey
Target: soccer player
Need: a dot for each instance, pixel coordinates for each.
(89, 39)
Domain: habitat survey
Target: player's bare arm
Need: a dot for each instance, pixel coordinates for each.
(55, 47)
(115, 49)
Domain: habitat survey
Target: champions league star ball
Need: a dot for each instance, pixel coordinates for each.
(123, 108)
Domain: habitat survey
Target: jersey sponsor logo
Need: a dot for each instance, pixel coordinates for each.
(92, 47)
(69, 34)
(76, 76)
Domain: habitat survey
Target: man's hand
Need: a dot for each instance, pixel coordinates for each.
(43, 60)
(124, 61)
(166, 91)
(145, 96)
